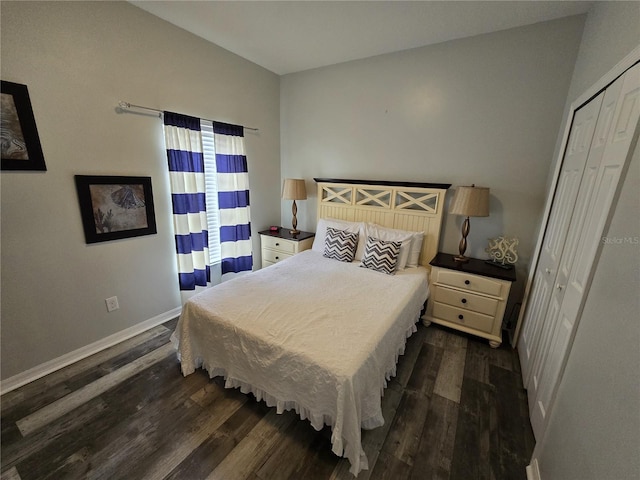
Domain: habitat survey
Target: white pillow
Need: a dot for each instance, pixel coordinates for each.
(411, 243)
(393, 235)
(354, 227)
(416, 248)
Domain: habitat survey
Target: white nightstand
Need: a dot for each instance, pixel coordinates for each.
(470, 297)
(280, 244)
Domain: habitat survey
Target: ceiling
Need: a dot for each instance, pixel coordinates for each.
(291, 36)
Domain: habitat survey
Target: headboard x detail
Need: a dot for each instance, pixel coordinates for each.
(409, 206)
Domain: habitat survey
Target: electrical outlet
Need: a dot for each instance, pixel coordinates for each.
(112, 304)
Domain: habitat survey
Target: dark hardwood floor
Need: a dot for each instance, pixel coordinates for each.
(455, 410)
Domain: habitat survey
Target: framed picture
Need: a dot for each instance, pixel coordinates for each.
(115, 207)
(20, 144)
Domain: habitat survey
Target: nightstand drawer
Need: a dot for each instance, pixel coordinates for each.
(474, 320)
(467, 281)
(273, 256)
(279, 244)
(466, 300)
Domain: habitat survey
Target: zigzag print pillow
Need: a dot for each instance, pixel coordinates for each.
(381, 255)
(340, 244)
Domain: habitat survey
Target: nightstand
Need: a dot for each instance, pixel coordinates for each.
(470, 297)
(280, 244)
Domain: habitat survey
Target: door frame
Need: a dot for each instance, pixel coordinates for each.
(622, 66)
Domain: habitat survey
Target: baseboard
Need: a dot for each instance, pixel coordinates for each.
(533, 472)
(43, 369)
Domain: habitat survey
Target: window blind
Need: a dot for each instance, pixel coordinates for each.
(211, 185)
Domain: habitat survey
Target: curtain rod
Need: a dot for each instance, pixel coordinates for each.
(127, 106)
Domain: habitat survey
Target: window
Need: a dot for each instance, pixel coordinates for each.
(211, 185)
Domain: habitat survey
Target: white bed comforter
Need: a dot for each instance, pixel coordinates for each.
(311, 334)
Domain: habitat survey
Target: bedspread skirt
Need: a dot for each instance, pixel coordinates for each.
(330, 366)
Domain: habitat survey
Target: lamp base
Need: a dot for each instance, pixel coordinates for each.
(463, 242)
(294, 220)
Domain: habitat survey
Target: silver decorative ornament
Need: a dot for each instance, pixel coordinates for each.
(503, 250)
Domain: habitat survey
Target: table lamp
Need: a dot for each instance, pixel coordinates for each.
(294, 189)
(471, 202)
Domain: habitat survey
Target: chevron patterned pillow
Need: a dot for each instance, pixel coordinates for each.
(381, 255)
(340, 244)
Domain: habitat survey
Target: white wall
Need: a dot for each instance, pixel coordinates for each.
(78, 60)
(483, 110)
(594, 428)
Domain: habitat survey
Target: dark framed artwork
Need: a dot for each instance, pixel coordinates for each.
(114, 207)
(20, 144)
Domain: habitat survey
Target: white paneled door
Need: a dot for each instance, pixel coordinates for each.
(575, 159)
(564, 271)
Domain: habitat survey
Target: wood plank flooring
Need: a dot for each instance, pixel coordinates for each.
(455, 410)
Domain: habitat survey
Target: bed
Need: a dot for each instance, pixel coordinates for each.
(319, 335)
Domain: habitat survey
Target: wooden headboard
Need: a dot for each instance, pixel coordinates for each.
(409, 206)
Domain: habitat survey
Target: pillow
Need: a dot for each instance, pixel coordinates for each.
(355, 227)
(393, 235)
(340, 244)
(381, 255)
(410, 256)
(416, 248)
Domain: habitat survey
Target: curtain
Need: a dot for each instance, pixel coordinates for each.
(233, 199)
(186, 175)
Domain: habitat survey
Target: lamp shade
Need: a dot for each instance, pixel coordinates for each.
(470, 201)
(294, 189)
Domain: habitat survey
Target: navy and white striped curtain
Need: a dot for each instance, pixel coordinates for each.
(233, 199)
(188, 195)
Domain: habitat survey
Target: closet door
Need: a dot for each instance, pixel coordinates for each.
(615, 131)
(575, 158)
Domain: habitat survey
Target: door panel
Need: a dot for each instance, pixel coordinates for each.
(546, 382)
(584, 202)
(581, 211)
(547, 336)
(605, 164)
(576, 154)
(599, 213)
(540, 295)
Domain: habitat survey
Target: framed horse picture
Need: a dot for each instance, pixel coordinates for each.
(20, 144)
(114, 207)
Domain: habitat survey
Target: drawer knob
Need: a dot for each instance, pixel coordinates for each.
(460, 317)
(467, 282)
(277, 244)
(277, 258)
(464, 300)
